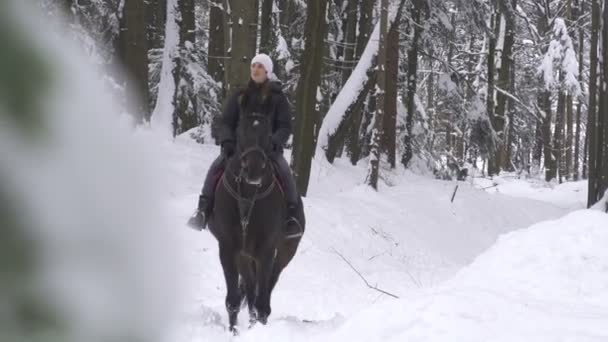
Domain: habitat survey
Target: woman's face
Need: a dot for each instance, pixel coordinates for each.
(258, 73)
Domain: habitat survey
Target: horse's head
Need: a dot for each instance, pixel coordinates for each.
(254, 143)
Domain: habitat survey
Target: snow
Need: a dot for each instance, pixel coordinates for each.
(410, 240)
(544, 283)
(561, 56)
(108, 224)
(349, 93)
(86, 191)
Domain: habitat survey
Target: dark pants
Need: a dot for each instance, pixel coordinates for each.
(282, 167)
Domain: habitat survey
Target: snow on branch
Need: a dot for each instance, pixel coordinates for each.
(352, 88)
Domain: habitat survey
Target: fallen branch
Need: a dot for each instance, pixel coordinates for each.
(454, 194)
(363, 278)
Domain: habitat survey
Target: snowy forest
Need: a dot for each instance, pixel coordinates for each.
(446, 86)
(450, 157)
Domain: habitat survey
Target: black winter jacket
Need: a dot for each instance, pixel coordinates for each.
(268, 99)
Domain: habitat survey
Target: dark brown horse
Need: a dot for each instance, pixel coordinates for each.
(247, 221)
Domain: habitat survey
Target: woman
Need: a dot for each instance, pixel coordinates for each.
(263, 88)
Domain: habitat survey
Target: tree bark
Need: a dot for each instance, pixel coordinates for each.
(366, 9)
(412, 69)
(550, 162)
(493, 167)
(375, 147)
(215, 49)
(558, 134)
(389, 127)
(310, 79)
(156, 12)
(577, 139)
(134, 54)
(184, 117)
(266, 27)
(602, 114)
(240, 47)
(350, 39)
(507, 11)
(569, 137)
(592, 109)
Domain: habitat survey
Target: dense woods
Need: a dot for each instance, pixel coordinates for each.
(489, 86)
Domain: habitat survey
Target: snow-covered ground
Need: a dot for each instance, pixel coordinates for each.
(455, 282)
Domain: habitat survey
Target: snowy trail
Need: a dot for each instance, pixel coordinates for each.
(406, 239)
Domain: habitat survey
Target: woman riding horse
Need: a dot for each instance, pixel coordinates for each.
(262, 95)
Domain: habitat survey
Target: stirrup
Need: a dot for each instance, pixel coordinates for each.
(297, 224)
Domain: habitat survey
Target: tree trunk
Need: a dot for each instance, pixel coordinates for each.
(389, 127)
(215, 49)
(545, 107)
(253, 27)
(507, 12)
(134, 54)
(412, 69)
(375, 147)
(310, 79)
(156, 18)
(550, 163)
(512, 138)
(184, 116)
(558, 134)
(493, 167)
(240, 47)
(538, 142)
(266, 27)
(592, 109)
(569, 136)
(602, 114)
(366, 9)
(577, 139)
(350, 39)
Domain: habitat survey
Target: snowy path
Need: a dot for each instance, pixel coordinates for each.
(408, 239)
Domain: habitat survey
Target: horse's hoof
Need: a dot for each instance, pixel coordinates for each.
(253, 316)
(234, 331)
(263, 319)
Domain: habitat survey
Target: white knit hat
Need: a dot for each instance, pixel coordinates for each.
(266, 61)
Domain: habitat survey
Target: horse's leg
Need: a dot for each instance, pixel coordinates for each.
(247, 271)
(263, 274)
(285, 252)
(233, 296)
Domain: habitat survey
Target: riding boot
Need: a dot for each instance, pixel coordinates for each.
(198, 221)
(293, 228)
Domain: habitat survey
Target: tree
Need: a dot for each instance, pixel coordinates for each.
(507, 38)
(375, 148)
(185, 116)
(602, 115)
(134, 54)
(240, 48)
(389, 128)
(310, 78)
(412, 67)
(581, 49)
(215, 49)
(266, 27)
(592, 127)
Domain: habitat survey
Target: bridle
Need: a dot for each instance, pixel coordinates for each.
(246, 204)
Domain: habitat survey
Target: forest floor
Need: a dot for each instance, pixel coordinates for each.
(465, 270)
